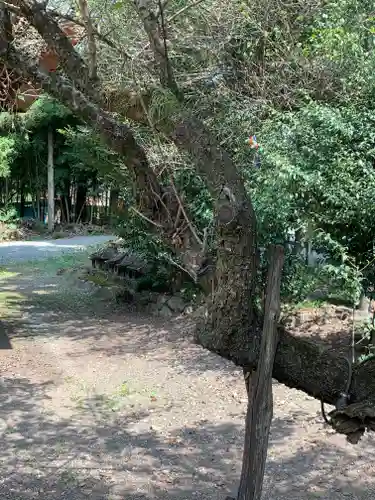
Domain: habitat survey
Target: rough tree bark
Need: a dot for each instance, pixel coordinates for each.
(231, 326)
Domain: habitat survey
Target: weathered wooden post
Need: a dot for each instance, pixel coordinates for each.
(259, 386)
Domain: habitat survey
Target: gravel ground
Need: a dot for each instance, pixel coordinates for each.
(16, 251)
(95, 404)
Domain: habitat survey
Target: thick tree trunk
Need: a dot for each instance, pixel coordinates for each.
(230, 311)
(51, 182)
(68, 57)
(260, 403)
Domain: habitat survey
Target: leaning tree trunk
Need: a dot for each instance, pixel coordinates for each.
(231, 306)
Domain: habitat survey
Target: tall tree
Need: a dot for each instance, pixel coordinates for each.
(231, 325)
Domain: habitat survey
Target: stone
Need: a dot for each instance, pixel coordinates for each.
(176, 304)
(165, 312)
(188, 310)
(161, 300)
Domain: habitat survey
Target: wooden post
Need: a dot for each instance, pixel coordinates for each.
(259, 385)
(51, 183)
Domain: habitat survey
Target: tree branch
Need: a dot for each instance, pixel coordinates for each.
(50, 31)
(158, 45)
(183, 10)
(93, 66)
(99, 36)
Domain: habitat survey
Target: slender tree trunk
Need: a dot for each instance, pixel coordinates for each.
(37, 201)
(80, 209)
(113, 202)
(260, 404)
(22, 201)
(66, 201)
(51, 182)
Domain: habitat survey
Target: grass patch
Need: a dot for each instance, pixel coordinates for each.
(5, 274)
(310, 304)
(47, 283)
(50, 265)
(58, 235)
(123, 390)
(100, 278)
(103, 403)
(10, 299)
(42, 287)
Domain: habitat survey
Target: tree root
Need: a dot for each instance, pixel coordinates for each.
(354, 420)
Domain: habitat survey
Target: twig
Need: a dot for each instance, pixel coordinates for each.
(80, 213)
(177, 217)
(99, 35)
(12, 8)
(172, 184)
(192, 276)
(171, 18)
(167, 67)
(205, 239)
(146, 218)
(185, 215)
(184, 9)
(162, 6)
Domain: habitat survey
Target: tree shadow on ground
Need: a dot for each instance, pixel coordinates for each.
(58, 309)
(96, 454)
(5, 333)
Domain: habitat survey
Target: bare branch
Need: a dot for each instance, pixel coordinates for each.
(158, 45)
(99, 36)
(184, 9)
(93, 64)
(161, 8)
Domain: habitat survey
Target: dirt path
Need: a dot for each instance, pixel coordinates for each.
(98, 404)
(18, 251)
